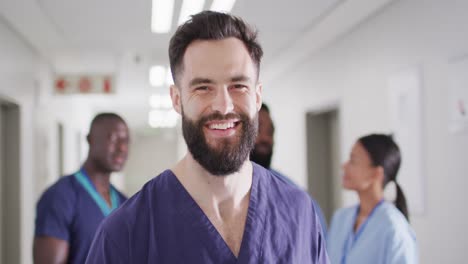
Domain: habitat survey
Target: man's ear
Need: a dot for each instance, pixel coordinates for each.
(175, 97)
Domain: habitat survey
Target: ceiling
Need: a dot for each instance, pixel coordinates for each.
(121, 25)
(114, 36)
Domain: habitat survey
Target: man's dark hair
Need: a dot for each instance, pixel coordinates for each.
(209, 25)
(104, 117)
(265, 108)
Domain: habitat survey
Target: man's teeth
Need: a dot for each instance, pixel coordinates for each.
(222, 126)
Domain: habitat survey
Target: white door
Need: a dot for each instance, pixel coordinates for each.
(323, 160)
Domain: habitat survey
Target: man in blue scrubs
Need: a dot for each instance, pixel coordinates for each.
(214, 206)
(70, 211)
(263, 152)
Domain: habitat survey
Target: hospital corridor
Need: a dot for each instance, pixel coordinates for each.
(134, 123)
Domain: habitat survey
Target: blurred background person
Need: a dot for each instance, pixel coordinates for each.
(69, 212)
(263, 153)
(374, 231)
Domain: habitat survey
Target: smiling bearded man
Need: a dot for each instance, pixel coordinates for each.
(214, 205)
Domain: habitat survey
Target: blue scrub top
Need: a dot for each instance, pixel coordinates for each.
(68, 212)
(163, 224)
(318, 210)
(385, 237)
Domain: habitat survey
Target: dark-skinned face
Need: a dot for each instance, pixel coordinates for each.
(263, 150)
(108, 143)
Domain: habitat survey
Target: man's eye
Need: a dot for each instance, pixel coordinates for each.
(240, 86)
(202, 88)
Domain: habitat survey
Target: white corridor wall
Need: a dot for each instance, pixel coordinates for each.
(354, 71)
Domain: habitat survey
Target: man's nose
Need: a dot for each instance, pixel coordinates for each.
(123, 147)
(223, 102)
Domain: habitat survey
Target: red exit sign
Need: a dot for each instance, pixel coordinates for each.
(84, 84)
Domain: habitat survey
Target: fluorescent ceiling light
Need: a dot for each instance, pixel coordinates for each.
(222, 5)
(190, 7)
(157, 75)
(161, 15)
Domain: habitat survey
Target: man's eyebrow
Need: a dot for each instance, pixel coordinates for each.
(198, 81)
(240, 78)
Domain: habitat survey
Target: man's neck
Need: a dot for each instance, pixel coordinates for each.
(222, 194)
(100, 179)
(223, 199)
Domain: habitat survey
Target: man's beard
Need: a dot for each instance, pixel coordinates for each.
(225, 157)
(263, 159)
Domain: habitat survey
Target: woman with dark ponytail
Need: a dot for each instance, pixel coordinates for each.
(374, 231)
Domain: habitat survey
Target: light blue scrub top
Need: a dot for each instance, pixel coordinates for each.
(385, 237)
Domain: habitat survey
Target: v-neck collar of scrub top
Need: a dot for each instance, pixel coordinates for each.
(209, 235)
(353, 237)
(84, 180)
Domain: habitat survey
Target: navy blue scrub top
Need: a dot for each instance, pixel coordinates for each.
(163, 224)
(68, 212)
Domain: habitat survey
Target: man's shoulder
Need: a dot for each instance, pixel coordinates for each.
(284, 184)
(282, 177)
(281, 191)
(56, 208)
(63, 188)
(64, 182)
